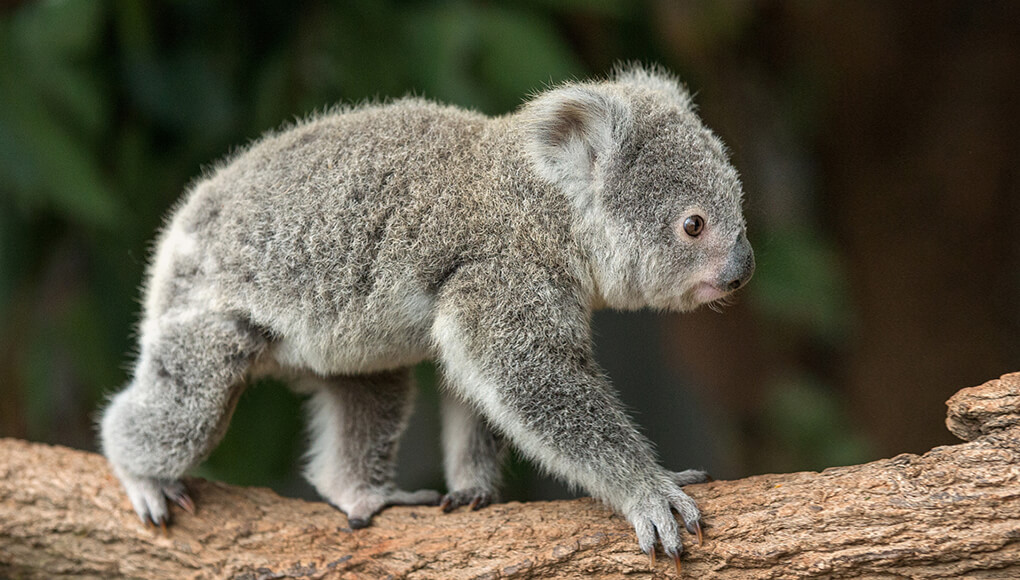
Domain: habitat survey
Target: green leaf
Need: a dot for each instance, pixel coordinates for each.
(486, 57)
(52, 41)
(521, 53)
(45, 163)
(56, 29)
(44, 158)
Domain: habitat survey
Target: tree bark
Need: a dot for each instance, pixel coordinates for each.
(952, 512)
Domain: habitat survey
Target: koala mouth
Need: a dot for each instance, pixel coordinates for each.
(706, 292)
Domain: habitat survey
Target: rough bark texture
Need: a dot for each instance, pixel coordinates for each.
(952, 512)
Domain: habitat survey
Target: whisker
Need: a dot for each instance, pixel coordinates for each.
(720, 303)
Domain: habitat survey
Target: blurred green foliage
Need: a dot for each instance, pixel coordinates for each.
(808, 427)
(108, 108)
(799, 282)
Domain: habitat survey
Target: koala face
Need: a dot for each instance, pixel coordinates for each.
(677, 203)
(657, 202)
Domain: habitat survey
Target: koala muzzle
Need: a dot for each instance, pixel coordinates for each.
(739, 264)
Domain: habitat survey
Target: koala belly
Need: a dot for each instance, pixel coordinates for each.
(368, 340)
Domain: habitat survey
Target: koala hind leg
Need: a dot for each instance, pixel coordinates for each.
(472, 456)
(185, 386)
(356, 423)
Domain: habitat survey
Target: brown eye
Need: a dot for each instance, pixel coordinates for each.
(693, 225)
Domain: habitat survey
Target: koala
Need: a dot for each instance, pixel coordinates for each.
(343, 250)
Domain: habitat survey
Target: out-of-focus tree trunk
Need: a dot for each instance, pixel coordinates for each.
(922, 191)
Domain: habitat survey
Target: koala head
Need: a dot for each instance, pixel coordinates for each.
(657, 203)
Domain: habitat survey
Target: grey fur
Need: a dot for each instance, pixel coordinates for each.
(347, 248)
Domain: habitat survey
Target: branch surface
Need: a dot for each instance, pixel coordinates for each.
(952, 512)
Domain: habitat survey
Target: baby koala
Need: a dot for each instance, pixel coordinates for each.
(342, 251)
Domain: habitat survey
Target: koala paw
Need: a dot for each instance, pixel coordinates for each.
(474, 497)
(652, 517)
(361, 507)
(148, 495)
(691, 476)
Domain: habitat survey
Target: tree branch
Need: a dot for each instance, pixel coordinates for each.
(951, 512)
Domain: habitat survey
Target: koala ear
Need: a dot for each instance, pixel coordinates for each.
(654, 78)
(571, 130)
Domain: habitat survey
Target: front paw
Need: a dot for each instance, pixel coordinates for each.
(651, 514)
(148, 496)
(474, 497)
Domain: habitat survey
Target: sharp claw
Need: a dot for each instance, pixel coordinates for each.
(651, 558)
(186, 503)
(695, 529)
(446, 505)
(476, 503)
(679, 568)
(162, 526)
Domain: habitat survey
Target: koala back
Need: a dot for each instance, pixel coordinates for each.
(335, 235)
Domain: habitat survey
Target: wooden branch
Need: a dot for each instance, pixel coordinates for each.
(952, 512)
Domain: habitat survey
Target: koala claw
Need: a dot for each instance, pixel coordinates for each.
(654, 521)
(474, 497)
(148, 496)
(177, 493)
(694, 528)
(675, 557)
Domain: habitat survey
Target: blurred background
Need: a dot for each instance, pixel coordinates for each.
(877, 141)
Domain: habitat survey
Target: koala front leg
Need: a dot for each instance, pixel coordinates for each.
(175, 410)
(516, 343)
(472, 456)
(356, 423)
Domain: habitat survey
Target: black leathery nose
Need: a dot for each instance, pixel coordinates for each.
(734, 284)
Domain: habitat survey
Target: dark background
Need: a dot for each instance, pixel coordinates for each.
(878, 144)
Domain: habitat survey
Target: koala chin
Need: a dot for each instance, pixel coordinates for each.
(339, 252)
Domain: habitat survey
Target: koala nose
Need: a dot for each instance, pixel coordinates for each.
(740, 265)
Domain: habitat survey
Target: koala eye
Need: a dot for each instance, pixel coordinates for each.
(693, 225)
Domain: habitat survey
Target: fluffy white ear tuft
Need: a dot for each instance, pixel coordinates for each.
(653, 78)
(571, 129)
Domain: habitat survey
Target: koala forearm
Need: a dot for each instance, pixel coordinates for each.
(588, 441)
(538, 383)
